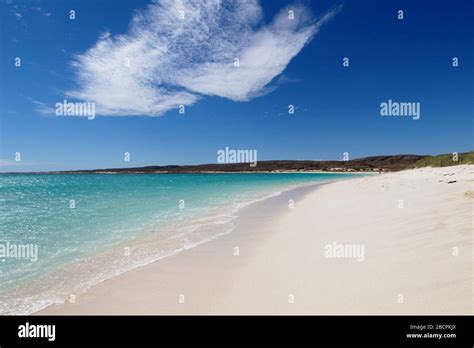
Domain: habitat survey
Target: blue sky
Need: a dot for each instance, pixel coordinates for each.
(246, 107)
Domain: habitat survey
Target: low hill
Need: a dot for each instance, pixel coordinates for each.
(374, 163)
(445, 160)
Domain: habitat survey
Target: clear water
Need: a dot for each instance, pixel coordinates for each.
(139, 213)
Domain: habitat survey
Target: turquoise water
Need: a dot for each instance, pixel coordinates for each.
(73, 218)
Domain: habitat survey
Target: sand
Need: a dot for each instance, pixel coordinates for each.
(401, 242)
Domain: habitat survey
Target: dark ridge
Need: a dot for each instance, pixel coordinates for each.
(372, 164)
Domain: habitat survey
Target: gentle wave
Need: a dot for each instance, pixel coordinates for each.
(153, 243)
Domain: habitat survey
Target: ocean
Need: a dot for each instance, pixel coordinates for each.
(62, 233)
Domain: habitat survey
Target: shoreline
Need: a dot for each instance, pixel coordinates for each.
(111, 262)
(298, 191)
(278, 271)
(196, 173)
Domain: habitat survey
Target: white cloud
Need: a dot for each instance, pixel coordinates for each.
(165, 61)
(42, 107)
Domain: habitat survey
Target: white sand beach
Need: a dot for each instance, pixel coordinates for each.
(402, 244)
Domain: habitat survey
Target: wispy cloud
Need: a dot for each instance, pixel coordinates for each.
(179, 51)
(42, 107)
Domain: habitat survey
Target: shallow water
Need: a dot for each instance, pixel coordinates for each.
(86, 228)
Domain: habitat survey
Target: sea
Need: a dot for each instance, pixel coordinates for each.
(63, 233)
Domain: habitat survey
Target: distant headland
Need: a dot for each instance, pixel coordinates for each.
(366, 164)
